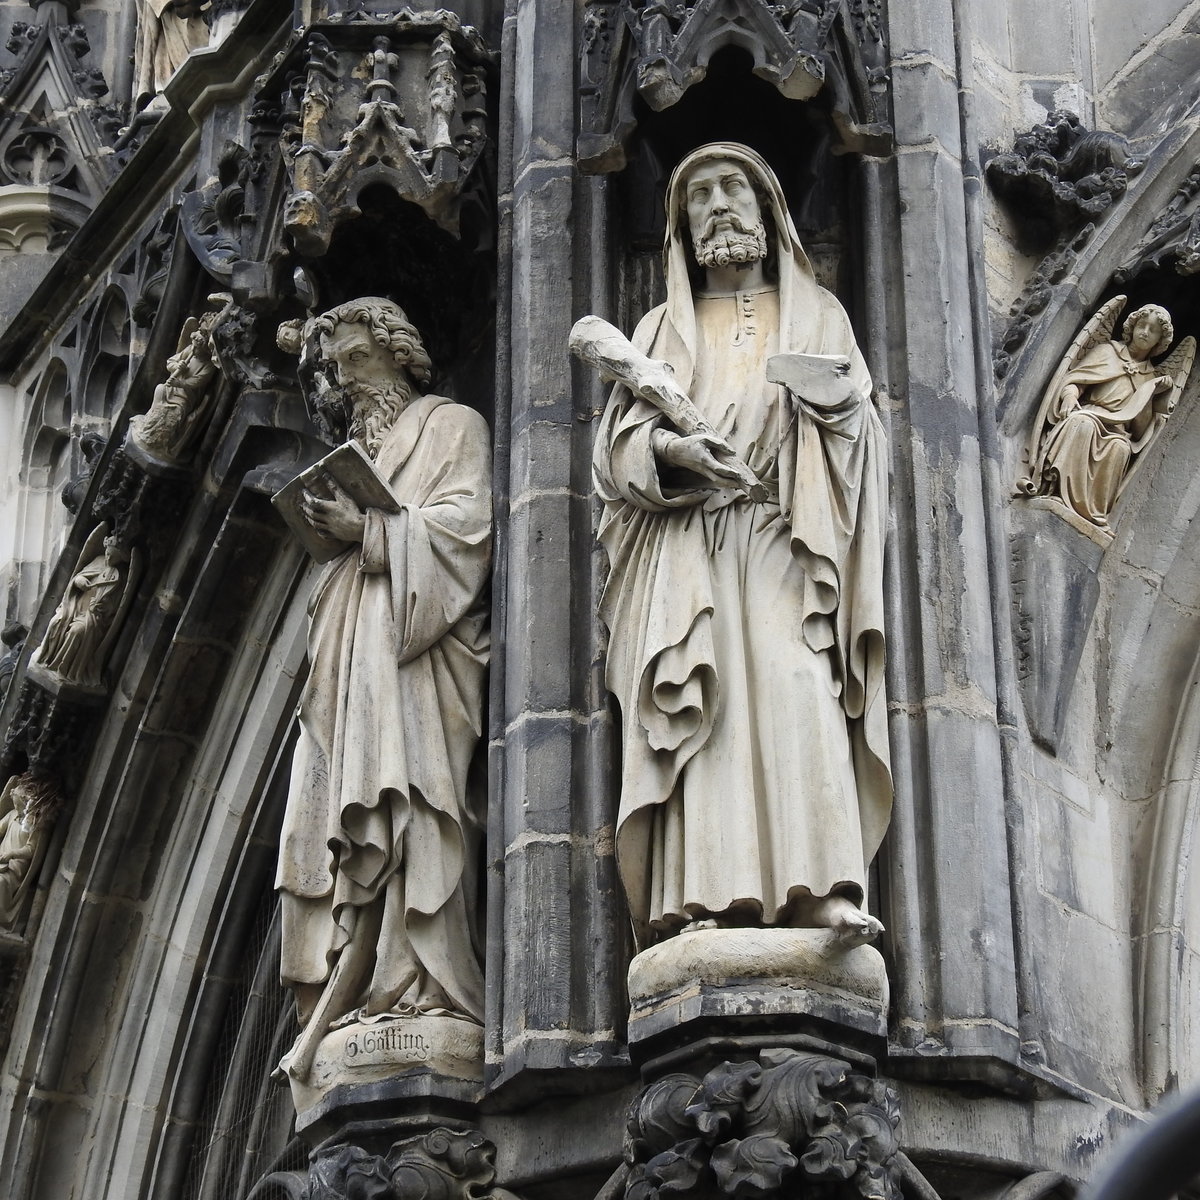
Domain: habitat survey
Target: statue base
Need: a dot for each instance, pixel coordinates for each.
(721, 981)
(56, 685)
(150, 462)
(1102, 537)
(424, 1062)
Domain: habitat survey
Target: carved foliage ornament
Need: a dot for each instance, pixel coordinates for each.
(440, 1165)
(399, 102)
(1173, 241)
(777, 1124)
(1060, 174)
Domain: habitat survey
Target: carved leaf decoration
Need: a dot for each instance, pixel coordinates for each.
(722, 1094)
(638, 1186)
(659, 1119)
(442, 1165)
(834, 1149)
(793, 1086)
(753, 1166)
(349, 1174)
(677, 1170)
(877, 1183)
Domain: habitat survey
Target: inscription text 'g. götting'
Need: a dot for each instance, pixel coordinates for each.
(386, 1044)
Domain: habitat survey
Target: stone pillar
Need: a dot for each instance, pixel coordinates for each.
(946, 868)
(556, 950)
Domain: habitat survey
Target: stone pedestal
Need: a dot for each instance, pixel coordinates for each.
(428, 1068)
(746, 981)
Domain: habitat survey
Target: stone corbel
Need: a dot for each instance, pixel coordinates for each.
(779, 1123)
(1060, 175)
(442, 1164)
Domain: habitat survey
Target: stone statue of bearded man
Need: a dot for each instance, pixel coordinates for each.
(746, 625)
(381, 833)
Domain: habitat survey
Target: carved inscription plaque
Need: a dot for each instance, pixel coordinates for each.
(376, 1047)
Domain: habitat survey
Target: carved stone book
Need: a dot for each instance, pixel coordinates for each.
(356, 473)
(811, 376)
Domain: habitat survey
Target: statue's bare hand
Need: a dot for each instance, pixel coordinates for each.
(338, 517)
(698, 453)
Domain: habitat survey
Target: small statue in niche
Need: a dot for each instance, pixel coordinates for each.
(29, 805)
(89, 616)
(167, 32)
(1105, 406)
(181, 405)
(377, 866)
(745, 533)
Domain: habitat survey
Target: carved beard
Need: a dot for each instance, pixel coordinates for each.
(374, 410)
(736, 243)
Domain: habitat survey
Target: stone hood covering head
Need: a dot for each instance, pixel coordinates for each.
(811, 320)
(838, 532)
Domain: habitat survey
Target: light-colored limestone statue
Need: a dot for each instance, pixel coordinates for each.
(1105, 406)
(167, 32)
(89, 616)
(181, 404)
(745, 535)
(377, 867)
(28, 807)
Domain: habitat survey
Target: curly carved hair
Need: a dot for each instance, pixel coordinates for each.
(1164, 318)
(388, 325)
(41, 795)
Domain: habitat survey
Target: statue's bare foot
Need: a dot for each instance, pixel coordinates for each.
(701, 923)
(852, 926)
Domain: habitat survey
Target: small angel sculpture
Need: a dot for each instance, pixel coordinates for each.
(1105, 405)
(28, 808)
(88, 618)
(181, 405)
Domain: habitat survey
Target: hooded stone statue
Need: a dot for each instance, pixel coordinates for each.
(746, 637)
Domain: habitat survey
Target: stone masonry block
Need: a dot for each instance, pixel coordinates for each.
(540, 584)
(927, 104)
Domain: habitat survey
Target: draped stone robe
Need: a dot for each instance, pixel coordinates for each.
(1092, 446)
(746, 645)
(380, 834)
(162, 45)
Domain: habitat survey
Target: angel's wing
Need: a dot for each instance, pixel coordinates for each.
(129, 586)
(1098, 329)
(6, 801)
(185, 334)
(92, 548)
(1178, 364)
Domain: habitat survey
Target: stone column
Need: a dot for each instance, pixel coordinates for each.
(947, 866)
(556, 952)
